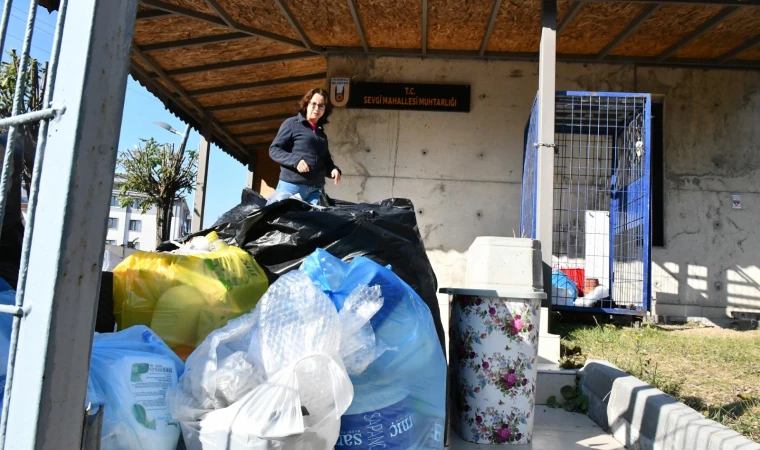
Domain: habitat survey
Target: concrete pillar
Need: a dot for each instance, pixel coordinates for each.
(251, 171)
(199, 202)
(545, 166)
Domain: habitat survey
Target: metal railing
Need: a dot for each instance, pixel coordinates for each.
(13, 122)
(64, 235)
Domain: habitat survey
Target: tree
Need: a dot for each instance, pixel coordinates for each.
(156, 175)
(33, 98)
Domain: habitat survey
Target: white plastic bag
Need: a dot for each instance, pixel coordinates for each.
(110, 260)
(599, 293)
(298, 408)
(274, 378)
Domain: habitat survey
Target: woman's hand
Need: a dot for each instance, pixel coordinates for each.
(336, 175)
(302, 166)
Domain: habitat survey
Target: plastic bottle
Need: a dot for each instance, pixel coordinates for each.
(199, 243)
(215, 243)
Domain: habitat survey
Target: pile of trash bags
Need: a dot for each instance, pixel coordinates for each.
(284, 326)
(334, 355)
(281, 235)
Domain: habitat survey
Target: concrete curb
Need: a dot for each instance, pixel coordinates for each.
(642, 417)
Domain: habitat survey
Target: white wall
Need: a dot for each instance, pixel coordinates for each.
(147, 235)
(463, 170)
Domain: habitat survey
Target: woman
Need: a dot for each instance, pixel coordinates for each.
(302, 152)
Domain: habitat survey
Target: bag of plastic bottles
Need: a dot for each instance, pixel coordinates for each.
(130, 373)
(400, 397)
(275, 378)
(183, 298)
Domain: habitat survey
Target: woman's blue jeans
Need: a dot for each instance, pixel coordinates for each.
(309, 194)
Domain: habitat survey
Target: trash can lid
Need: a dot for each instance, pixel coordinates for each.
(502, 293)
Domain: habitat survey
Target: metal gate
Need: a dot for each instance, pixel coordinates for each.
(601, 250)
(59, 258)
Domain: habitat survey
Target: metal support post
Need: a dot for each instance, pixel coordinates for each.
(66, 249)
(199, 201)
(545, 166)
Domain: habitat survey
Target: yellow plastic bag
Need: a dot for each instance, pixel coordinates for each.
(183, 298)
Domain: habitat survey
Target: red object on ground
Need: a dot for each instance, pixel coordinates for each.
(578, 275)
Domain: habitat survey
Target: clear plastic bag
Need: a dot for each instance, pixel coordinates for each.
(130, 372)
(399, 398)
(274, 378)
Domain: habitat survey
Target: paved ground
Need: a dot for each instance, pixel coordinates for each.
(555, 429)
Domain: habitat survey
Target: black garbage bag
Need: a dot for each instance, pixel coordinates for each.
(12, 234)
(281, 235)
(250, 201)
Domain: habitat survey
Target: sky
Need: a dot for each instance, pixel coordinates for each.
(226, 177)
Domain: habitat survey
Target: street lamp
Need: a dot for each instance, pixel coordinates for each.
(180, 160)
(184, 136)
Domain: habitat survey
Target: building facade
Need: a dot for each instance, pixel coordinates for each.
(464, 171)
(128, 227)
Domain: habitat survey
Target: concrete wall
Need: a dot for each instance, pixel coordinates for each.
(464, 171)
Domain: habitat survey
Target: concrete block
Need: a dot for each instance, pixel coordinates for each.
(548, 348)
(642, 417)
(504, 263)
(543, 324)
(549, 382)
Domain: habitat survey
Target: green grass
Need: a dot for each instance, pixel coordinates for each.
(716, 372)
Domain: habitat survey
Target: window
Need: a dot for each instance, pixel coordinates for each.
(114, 200)
(135, 225)
(658, 177)
(110, 242)
(113, 223)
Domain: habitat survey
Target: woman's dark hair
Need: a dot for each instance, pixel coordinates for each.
(304, 103)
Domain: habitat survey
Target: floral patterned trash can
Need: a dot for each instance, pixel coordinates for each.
(493, 350)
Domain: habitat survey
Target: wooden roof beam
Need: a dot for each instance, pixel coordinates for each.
(704, 28)
(424, 37)
(489, 28)
(633, 26)
(269, 101)
(358, 25)
(689, 2)
(256, 84)
(750, 44)
(295, 25)
(153, 65)
(240, 63)
(257, 119)
(258, 133)
(574, 8)
(143, 77)
(152, 14)
(196, 42)
(533, 56)
(225, 20)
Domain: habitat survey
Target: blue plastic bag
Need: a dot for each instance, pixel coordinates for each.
(130, 373)
(7, 297)
(564, 290)
(399, 400)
